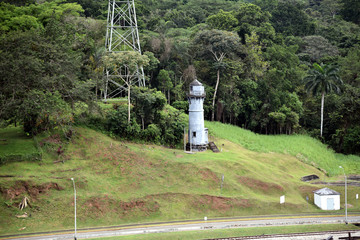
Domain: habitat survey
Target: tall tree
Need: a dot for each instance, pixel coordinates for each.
(351, 10)
(222, 21)
(323, 79)
(219, 44)
(252, 19)
(165, 82)
(128, 62)
(288, 18)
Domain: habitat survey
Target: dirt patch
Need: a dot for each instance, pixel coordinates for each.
(221, 204)
(22, 188)
(207, 174)
(354, 177)
(100, 206)
(307, 189)
(307, 192)
(260, 185)
(52, 140)
(201, 202)
(67, 170)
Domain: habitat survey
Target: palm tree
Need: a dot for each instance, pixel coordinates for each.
(323, 79)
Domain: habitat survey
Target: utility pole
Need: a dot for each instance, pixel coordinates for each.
(72, 179)
(122, 35)
(346, 218)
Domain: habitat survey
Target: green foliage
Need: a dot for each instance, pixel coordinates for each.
(94, 9)
(289, 18)
(148, 103)
(34, 15)
(350, 67)
(181, 105)
(180, 18)
(351, 10)
(256, 65)
(352, 141)
(255, 50)
(172, 123)
(215, 43)
(130, 60)
(153, 65)
(164, 80)
(317, 47)
(167, 128)
(117, 123)
(43, 111)
(252, 19)
(323, 79)
(222, 21)
(152, 134)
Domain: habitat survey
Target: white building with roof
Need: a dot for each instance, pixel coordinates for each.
(327, 199)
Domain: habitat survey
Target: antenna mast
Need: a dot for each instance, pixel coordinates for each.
(122, 35)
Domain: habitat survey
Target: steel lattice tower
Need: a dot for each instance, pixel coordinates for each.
(121, 36)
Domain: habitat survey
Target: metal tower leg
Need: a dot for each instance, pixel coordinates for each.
(122, 35)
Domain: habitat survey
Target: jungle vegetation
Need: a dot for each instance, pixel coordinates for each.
(273, 67)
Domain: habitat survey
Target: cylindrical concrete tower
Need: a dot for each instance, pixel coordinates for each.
(198, 135)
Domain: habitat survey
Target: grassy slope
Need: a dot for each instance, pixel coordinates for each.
(120, 182)
(14, 142)
(306, 149)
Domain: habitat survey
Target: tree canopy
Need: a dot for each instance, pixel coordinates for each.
(251, 57)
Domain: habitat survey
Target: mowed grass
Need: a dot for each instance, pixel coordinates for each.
(304, 148)
(119, 182)
(238, 232)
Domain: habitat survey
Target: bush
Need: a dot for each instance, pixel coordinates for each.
(117, 123)
(172, 123)
(152, 133)
(181, 105)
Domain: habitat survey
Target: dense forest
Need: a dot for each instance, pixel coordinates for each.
(271, 66)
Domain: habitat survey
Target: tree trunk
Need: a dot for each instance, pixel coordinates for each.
(169, 96)
(213, 102)
(322, 113)
(96, 89)
(129, 103)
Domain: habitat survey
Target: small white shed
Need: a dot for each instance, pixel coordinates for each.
(327, 199)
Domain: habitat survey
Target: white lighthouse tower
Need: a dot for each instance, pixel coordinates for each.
(198, 135)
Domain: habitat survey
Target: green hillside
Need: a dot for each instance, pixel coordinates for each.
(122, 182)
(304, 148)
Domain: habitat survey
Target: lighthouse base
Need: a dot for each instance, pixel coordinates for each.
(196, 148)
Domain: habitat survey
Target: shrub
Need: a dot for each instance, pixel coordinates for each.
(152, 133)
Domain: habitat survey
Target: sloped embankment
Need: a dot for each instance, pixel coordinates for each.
(120, 182)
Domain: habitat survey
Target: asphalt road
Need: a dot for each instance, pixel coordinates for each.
(241, 222)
